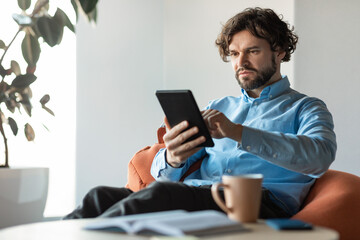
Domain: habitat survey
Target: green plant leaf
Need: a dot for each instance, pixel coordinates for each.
(2, 44)
(27, 91)
(2, 71)
(88, 5)
(50, 30)
(48, 110)
(2, 97)
(15, 67)
(24, 4)
(22, 20)
(35, 31)
(3, 89)
(40, 3)
(13, 126)
(25, 102)
(30, 49)
(45, 99)
(23, 81)
(46, 127)
(92, 16)
(74, 4)
(29, 132)
(63, 19)
(10, 104)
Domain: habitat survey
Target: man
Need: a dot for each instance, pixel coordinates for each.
(270, 129)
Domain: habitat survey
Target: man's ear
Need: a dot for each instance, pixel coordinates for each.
(280, 55)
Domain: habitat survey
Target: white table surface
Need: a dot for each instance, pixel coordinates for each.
(73, 230)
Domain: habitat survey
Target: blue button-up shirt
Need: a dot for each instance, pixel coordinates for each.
(287, 136)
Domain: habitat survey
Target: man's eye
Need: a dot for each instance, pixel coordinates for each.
(234, 54)
(254, 51)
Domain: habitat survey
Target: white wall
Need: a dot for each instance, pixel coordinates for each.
(139, 46)
(327, 64)
(120, 66)
(191, 58)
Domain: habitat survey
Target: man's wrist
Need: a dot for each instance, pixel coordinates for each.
(170, 164)
(236, 133)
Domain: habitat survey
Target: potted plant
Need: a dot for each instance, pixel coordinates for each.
(39, 27)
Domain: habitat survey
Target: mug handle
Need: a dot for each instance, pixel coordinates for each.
(215, 194)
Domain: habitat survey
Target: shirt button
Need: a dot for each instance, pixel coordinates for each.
(228, 171)
(275, 155)
(248, 148)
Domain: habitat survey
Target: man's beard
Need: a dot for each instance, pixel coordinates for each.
(262, 77)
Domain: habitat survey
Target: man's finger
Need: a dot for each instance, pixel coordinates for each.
(173, 143)
(182, 137)
(212, 120)
(207, 113)
(176, 130)
(188, 147)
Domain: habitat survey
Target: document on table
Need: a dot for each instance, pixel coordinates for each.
(170, 223)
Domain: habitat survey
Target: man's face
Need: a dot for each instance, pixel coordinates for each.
(254, 63)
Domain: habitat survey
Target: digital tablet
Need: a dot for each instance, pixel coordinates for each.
(180, 105)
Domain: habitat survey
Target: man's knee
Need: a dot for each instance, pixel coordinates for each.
(107, 194)
(157, 185)
(163, 187)
(96, 191)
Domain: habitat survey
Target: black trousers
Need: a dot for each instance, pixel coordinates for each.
(160, 196)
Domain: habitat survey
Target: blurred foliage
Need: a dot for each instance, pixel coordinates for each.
(15, 85)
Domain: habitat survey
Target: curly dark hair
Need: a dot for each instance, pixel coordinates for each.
(262, 23)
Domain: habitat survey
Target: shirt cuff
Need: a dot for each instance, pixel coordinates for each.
(161, 170)
(254, 141)
(248, 139)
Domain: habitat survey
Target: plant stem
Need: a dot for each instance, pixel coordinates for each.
(2, 58)
(5, 144)
(1, 122)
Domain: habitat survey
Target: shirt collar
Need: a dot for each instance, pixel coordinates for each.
(271, 91)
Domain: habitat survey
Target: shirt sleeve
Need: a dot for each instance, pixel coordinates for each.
(162, 171)
(310, 151)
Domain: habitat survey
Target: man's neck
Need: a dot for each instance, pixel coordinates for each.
(255, 93)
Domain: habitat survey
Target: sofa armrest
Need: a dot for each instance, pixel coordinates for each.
(139, 175)
(334, 202)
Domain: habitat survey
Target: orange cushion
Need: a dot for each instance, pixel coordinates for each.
(334, 202)
(139, 175)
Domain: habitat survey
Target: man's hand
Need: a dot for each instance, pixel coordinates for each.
(177, 151)
(220, 126)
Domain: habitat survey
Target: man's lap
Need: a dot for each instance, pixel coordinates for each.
(158, 196)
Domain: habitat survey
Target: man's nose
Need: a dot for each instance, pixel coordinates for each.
(242, 60)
